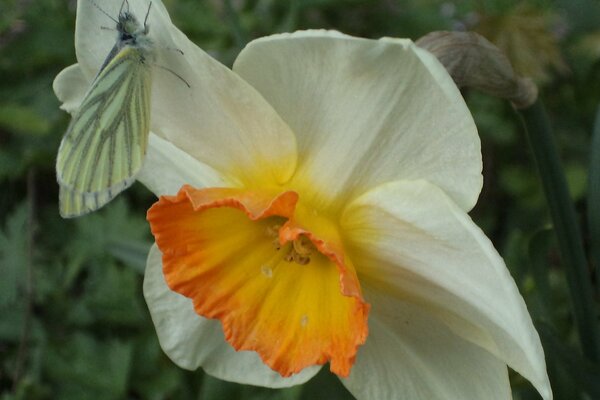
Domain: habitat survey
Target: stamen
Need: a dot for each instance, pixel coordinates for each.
(303, 246)
(300, 259)
(272, 232)
(300, 251)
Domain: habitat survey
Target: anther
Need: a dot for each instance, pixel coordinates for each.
(272, 232)
(300, 251)
(303, 246)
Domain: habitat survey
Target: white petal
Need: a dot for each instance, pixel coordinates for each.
(70, 86)
(412, 356)
(192, 341)
(367, 112)
(220, 119)
(413, 240)
(167, 168)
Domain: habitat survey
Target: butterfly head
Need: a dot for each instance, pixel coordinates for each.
(129, 27)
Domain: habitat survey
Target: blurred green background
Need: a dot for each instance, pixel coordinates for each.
(73, 322)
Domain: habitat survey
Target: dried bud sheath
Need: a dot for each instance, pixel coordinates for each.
(473, 61)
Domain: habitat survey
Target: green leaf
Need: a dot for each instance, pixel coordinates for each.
(84, 367)
(22, 119)
(593, 200)
(520, 182)
(113, 227)
(215, 389)
(11, 323)
(239, 31)
(583, 372)
(538, 248)
(131, 253)
(492, 125)
(153, 376)
(113, 296)
(545, 153)
(13, 255)
(576, 180)
(325, 385)
(11, 164)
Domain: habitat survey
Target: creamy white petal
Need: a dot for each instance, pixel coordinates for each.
(410, 239)
(410, 355)
(220, 119)
(366, 112)
(192, 341)
(167, 168)
(70, 86)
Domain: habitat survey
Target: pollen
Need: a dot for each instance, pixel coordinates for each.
(304, 321)
(272, 232)
(300, 251)
(266, 271)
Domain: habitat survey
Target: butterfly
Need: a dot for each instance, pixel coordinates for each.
(105, 144)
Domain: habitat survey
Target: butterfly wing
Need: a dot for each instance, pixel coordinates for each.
(106, 142)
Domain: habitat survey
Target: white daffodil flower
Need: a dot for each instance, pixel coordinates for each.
(313, 209)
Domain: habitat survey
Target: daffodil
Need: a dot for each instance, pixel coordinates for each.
(313, 209)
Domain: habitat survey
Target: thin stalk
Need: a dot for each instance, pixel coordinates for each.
(593, 200)
(239, 33)
(25, 331)
(562, 211)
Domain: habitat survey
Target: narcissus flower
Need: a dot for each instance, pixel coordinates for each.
(313, 209)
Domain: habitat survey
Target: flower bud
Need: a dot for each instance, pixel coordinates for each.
(473, 61)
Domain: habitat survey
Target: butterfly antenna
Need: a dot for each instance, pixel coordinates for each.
(103, 12)
(147, 14)
(122, 4)
(174, 74)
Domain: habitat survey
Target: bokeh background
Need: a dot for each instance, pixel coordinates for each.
(73, 322)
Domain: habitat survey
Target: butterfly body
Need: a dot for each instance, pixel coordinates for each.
(105, 144)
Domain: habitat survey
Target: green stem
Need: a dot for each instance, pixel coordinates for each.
(25, 332)
(582, 372)
(241, 38)
(563, 215)
(593, 200)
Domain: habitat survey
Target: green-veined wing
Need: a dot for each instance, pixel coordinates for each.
(106, 142)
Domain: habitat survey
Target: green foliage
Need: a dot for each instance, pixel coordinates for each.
(13, 255)
(73, 323)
